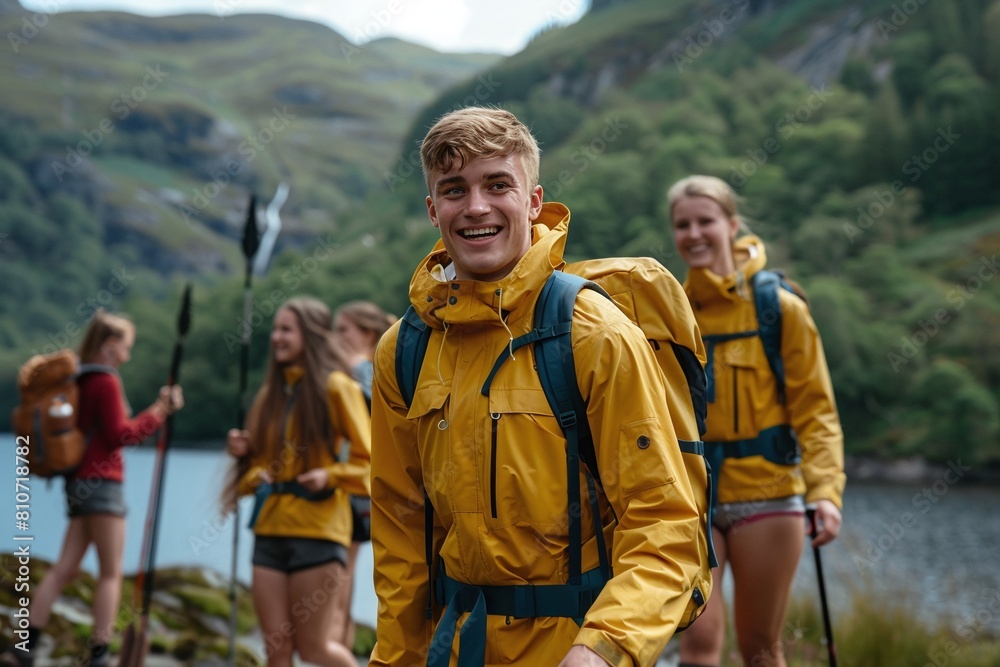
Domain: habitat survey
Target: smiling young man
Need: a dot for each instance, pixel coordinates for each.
(493, 462)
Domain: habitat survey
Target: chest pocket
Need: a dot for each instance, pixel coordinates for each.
(526, 475)
(741, 376)
(429, 413)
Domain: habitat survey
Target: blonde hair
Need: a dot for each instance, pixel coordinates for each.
(712, 187)
(478, 132)
(368, 317)
(103, 325)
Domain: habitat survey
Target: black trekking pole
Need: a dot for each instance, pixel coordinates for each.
(831, 649)
(251, 243)
(135, 641)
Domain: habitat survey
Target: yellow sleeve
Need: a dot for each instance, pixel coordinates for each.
(350, 419)
(656, 540)
(811, 406)
(401, 576)
(249, 482)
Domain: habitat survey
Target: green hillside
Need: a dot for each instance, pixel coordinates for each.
(858, 134)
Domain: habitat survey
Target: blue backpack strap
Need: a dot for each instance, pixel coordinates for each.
(411, 346)
(557, 373)
(765, 286)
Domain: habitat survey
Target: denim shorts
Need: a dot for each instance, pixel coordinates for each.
(93, 495)
(729, 516)
(291, 554)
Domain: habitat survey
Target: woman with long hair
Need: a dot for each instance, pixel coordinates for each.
(306, 406)
(358, 326)
(778, 439)
(94, 496)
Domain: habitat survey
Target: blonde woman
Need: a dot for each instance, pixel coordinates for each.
(780, 447)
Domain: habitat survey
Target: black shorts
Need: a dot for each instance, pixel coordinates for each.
(93, 495)
(291, 554)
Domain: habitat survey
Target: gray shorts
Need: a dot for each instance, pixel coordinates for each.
(729, 516)
(291, 554)
(93, 495)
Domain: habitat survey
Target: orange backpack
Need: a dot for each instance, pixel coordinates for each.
(46, 418)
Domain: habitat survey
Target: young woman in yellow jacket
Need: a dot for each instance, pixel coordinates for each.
(307, 405)
(758, 525)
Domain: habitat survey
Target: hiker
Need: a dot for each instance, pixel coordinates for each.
(494, 469)
(358, 326)
(778, 441)
(302, 519)
(94, 497)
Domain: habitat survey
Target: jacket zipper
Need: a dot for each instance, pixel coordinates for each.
(495, 419)
(736, 402)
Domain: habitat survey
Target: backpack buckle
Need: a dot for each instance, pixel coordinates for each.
(567, 418)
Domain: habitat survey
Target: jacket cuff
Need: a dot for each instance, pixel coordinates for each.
(599, 643)
(826, 492)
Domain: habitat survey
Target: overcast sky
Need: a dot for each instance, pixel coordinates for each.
(444, 25)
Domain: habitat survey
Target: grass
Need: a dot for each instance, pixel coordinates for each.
(880, 632)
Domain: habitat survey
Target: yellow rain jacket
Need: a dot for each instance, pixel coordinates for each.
(495, 471)
(747, 394)
(287, 515)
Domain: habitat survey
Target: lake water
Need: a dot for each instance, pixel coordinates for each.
(932, 547)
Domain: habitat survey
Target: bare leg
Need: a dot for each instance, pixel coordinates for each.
(343, 595)
(270, 589)
(74, 546)
(764, 555)
(701, 643)
(107, 532)
(314, 608)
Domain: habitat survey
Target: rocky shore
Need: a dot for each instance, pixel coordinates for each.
(188, 621)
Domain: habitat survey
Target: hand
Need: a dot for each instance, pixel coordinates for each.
(238, 442)
(828, 522)
(263, 477)
(582, 656)
(314, 480)
(171, 399)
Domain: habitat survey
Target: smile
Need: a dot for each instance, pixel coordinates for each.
(480, 232)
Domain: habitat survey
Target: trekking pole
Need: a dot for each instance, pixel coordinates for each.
(135, 642)
(831, 649)
(251, 243)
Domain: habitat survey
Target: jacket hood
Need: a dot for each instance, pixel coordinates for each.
(704, 286)
(442, 300)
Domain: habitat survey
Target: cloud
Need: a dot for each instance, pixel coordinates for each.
(444, 25)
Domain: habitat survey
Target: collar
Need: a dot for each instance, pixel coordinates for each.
(704, 287)
(441, 301)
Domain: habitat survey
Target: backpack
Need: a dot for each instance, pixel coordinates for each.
(45, 418)
(650, 297)
(777, 444)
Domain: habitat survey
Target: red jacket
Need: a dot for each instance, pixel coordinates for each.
(104, 418)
